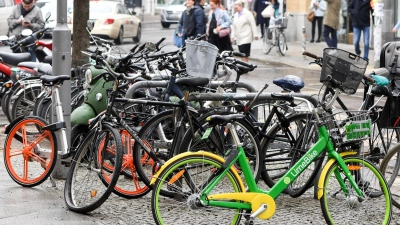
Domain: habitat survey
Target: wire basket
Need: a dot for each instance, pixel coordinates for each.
(345, 67)
(281, 22)
(200, 58)
(348, 126)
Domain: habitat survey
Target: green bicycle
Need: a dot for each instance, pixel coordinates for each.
(351, 189)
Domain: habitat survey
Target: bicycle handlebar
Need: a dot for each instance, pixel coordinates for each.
(311, 55)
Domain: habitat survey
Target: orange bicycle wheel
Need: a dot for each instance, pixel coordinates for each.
(129, 184)
(30, 152)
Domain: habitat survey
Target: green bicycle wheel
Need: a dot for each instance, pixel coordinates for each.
(184, 178)
(341, 208)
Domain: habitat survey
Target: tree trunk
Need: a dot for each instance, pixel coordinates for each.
(80, 37)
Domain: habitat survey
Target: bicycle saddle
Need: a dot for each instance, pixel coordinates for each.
(290, 83)
(47, 79)
(192, 82)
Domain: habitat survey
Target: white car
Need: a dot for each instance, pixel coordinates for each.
(112, 20)
(51, 6)
(6, 7)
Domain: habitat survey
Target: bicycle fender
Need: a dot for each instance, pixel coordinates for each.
(199, 153)
(82, 114)
(12, 124)
(325, 171)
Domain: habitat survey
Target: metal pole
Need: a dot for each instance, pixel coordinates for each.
(62, 66)
(304, 42)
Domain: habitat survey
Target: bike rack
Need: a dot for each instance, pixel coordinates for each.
(213, 84)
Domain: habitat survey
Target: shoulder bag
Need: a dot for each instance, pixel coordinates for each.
(268, 11)
(224, 31)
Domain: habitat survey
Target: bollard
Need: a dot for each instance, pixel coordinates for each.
(304, 42)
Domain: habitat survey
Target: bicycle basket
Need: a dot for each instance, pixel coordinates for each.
(200, 58)
(345, 67)
(281, 22)
(348, 126)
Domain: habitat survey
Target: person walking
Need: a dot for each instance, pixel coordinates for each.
(25, 16)
(244, 29)
(218, 20)
(360, 11)
(181, 27)
(319, 7)
(259, 6)
(196, 20)
(331, 22)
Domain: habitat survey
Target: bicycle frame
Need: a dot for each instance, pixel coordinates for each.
(244, 200)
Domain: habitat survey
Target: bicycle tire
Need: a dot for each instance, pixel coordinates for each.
(247, 135)
(390, 168)
(305, 180)
(9, 101)
(267, 42)
(87, 169)
(339, 207)
(39, 154)
(163, 207)
(278, 150)
(145, 166)
(45, 111)
(282, 44)
(4, 106)
(24, 103)
(38, 105)
(129, 185)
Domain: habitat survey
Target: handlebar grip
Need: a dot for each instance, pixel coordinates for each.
(126, 59)
(160, 41)
(138, 67)
(238, 54)
(285, 97)
(246, 64)
(369, 79)
(310, 55)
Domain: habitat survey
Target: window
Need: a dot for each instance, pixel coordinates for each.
(120, 10)
(126, 11)
(2, 4)
(9, 2)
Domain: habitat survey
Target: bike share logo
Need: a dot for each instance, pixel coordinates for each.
(306, 161)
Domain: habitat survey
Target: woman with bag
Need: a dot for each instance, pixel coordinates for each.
(218, 27)
(318, 7)
(244, 29)
(259, 6)
(180, 31)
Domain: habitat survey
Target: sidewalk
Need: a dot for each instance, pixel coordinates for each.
(294, 57)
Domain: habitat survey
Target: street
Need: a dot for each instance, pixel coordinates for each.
(116, 210)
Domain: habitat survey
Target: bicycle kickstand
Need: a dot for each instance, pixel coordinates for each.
(53, 182)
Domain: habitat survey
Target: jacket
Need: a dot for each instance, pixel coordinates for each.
(200, 20)
(34, 16)
(360, 11)
(181, 27)
(331, 18)
(223, 19)
(320, 10)
(259, 6)
(244, 28)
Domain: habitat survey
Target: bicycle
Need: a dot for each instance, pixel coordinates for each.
(275, 35)
(219, 185)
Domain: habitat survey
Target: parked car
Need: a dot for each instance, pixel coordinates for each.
(171, 14)
(112, 20)
(6, 7)
(51, 6)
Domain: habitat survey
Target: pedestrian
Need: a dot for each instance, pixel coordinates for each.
(275, 5)
(344, 13)
(360, 11)
(331, 22)
(180, 30)
(219, 20)
(196, 20)
(25, 16)
(396, 27)
(244, 29)
(259, 6)
(319, 7)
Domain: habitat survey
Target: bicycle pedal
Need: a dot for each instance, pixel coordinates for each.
(65, 156)
(66, 163)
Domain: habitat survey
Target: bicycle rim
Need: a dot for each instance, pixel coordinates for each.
(90, 181)
(30, 152)
(340, 208)
(185, 189)
(278, 148)
(390, 168)
(282, 43)
(129, 184)
(24, 103)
